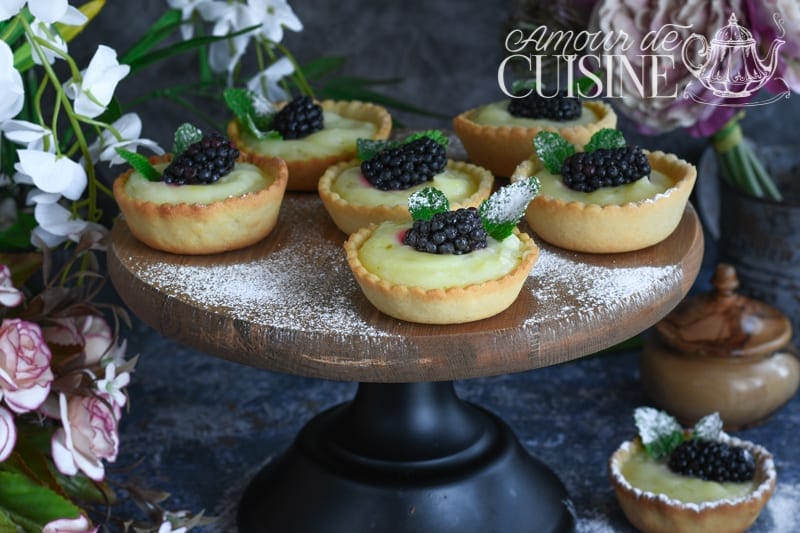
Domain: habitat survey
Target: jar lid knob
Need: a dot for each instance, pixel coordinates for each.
(725, 280)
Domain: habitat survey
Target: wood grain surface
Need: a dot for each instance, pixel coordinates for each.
(290, 304)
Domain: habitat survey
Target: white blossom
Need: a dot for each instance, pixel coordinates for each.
(51, 11)
(111, 386)
(277, 14)
(56, 223)
(265, 83)
(45, 32)
(30, 135)
(98, 82)
(10, 8)
(129, 127)
(188, 8)
(12, 92)
(228, 18)
(51, 173)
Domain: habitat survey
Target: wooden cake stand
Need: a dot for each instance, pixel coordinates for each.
(406, 454)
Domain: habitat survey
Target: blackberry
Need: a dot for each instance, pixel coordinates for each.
(605, 167)
(203, 162)
(712, 461)
(452, 232)
(405, 166)
(559, 107)
(298, 118)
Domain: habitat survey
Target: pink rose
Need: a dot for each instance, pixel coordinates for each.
(70, 525)
(89, 435)
(10, 296)
(25, 374)
(8, 434)
(642, 18)
(91, 333)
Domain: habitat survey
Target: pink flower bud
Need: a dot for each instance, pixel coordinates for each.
(25, 373)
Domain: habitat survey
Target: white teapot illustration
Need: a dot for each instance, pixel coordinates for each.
(732, 68)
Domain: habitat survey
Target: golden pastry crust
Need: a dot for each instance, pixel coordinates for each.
(195, 229)
(502, 148)
(454, 305)
(657, 513)
(586, 227)
(304, 173)
(350, 217)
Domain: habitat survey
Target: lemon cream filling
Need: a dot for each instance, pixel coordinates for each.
(385, 255)
(643, 188)
(338, 136)
(645, 474)
(353, 187)
(496, 114)
(243, 179)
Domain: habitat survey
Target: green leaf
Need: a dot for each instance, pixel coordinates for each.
(520, 85)
(436, 135)
(158, 31)
(659, 431)
(259, 130)
(607, 138)
(239, 102)
(317, 68)
(185, 135)
(502, 211)
(583, 84)
(141, 164)
(427, 202)
(32, 505)
(708, 428)
(552, 149)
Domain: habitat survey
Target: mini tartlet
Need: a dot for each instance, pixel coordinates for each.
(656, 512)
(500, 148)
(439, 288)
(196, 228)
(307, 158)
(580, 222)
(472, 185)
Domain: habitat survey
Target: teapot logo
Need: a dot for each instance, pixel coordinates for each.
(732, 68)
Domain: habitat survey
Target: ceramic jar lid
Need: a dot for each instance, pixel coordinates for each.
(723, 323)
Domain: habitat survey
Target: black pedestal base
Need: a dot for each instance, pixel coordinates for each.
(403, 458)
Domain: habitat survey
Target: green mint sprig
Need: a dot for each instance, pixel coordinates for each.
(185, 135)
(502, 211)
(583, 84)
(606, 138)
(426, 202)
(552, 149)
(520, 85)
(140, 164)
(240, 102)
(369, 148)
(661, 433)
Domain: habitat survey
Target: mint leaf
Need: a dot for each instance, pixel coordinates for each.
(583, 84)
(552, 149)
(708, 428)
(520, 85)
(369, 148)
(607, 138)
(239, 102)
(427, 202)
(659, 431)
(140, 163)
(260, 127)
(436, 135)
(502, 211)
(185, 135)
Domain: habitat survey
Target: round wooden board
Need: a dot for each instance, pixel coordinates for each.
(290, 304)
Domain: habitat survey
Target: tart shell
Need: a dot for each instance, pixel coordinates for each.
(586, 227)
(454, 305)
(656, 513)
(350, 217)
(502, 148)
(195, 229)
(305, 173)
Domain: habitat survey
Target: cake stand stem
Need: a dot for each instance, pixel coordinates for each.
(405, 457)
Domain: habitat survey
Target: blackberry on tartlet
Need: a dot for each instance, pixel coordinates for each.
(299, 118)
(558, 107)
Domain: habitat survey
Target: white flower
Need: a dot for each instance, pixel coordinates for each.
(166, 527)
(12, 93)
(228, 18)
(31, 136)
(44, 31)
(187, 7)
(265, 83)
(51, 11)
(111, 386)
(8, 433)
(98, 82)
(277, 14)
(69, 525)
(10, 8)
(56, 224)
(51, 173)
(129, 127)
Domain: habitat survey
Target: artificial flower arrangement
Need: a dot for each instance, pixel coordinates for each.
(64, 369)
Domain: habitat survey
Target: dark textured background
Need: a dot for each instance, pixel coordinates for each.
(201, 426)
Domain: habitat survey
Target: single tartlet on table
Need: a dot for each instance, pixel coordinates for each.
(669, 479)
(498, 135)
(205, 198)
(309, 136)
(447, 267)
(376, 186)
(608, 198)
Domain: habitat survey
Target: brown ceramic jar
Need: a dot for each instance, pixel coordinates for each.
(721, 352)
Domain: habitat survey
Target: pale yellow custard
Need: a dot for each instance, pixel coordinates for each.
(353, 187)
(384, 255)
(496, 114)
(244, 178)
(644, 473)
(339, 135)
(642, 189)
